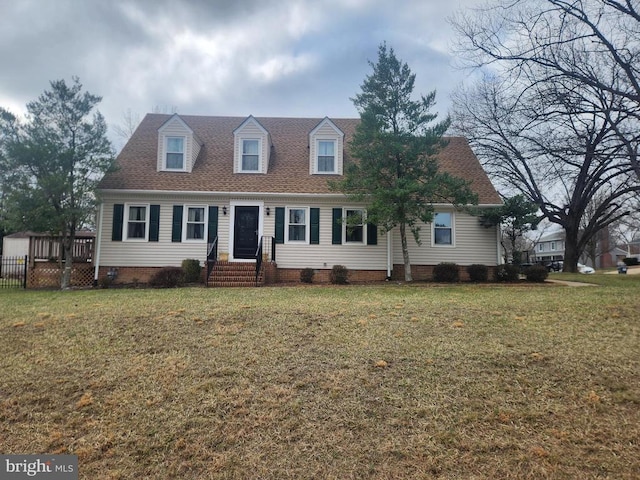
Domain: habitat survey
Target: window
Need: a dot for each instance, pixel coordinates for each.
(250, 155)
(175, 153)
(443, 229)
(326, 156)
(297, 225)
(541, 247)
(195, 223)
(354, 226)
(137, 222)
(553, 245)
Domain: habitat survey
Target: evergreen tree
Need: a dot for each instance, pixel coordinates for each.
(56, 157)
(396, 143)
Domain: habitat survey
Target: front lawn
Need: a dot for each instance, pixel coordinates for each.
(363, 382)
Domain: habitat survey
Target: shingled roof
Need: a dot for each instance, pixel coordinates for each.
(288, 164)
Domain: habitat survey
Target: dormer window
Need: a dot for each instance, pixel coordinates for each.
(250, 155)
(326, 156)
(326, 144)
(175, 153)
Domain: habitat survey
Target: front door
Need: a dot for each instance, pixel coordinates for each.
(245, 232)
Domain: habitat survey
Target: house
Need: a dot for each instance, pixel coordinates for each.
(217, 188)
(551, 247)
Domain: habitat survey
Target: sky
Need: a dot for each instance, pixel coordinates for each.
(277, 58)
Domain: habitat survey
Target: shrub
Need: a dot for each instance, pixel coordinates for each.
(306, 275)
(478, 273)
(507, 273)
(192, 269)
(446, 272)
(536, 273)
(339, 275)
(630, 261)
(105, 282)
(167, 277)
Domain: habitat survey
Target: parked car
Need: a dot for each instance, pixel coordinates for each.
(555, 266)
(585, 269)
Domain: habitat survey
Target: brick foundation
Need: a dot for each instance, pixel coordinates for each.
(292, 275)
(425, 272)
(129, 274)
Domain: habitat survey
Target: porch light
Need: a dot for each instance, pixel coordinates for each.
(224, 210)
(268, 211)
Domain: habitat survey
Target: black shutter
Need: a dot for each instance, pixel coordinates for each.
(279, 224)
(118, 217)
(336, 227)
(372, 234)
(212, 229)
(314, 226)
(154, 223)
(176, 226)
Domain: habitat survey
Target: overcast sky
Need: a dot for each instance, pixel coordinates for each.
(221, 57)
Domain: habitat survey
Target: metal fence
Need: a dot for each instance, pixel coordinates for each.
(13, 272)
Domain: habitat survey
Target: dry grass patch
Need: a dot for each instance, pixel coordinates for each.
(326, 382)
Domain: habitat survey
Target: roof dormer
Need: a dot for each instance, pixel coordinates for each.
(252, 147)
(178, 146)
(326, 146)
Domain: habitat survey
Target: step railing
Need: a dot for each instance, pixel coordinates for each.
(266, 244)
(212, 257)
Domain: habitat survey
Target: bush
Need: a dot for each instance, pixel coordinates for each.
(167, 277)
(192, 269)
(507, 273)
(478, 273)
(306, 275)
(446, 272)
(536, 273)
(630, 261)
(339, 275)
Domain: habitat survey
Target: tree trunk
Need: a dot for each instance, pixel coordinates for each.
(67, 244)
(571, 252)
(405, 253)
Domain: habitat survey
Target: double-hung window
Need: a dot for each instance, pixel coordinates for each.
(353, 226)
(297, 225)
(195, 223)
(326, 156)
(137, 222)
(250, 161)
(443, 228)
(175, 153)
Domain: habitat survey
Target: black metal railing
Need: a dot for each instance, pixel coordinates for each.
(212, 257)
(266, 244)
(13, 272)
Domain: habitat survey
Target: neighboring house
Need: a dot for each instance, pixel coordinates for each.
(550, 248)
(214, 188)
(16, 244)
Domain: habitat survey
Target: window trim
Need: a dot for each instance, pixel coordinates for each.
(167, 152)
(125, 222)
(452, 228)
(317, 170)
(363, 225)
(307, 226)
(185, 224)
(241, 154)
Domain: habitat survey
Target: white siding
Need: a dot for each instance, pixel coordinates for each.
(15, 247)
(473, 244)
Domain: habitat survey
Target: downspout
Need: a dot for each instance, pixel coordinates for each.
(498, 245)
(96, 261)
(389, 255)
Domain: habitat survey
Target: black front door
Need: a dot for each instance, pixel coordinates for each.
(245, 232)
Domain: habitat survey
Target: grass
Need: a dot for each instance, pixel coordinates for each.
(371, 382)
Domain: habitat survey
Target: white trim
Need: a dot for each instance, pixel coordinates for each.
(96, 269)
(316, 166)
(307, 226)
(185, 222)
(125, 222)
(166, 152)
(232, 220)
(243, 139)
(364, 226)
(453, 231)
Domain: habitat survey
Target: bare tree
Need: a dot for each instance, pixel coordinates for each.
(563, 39)
(555, 143)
